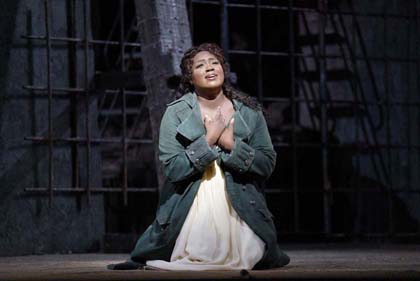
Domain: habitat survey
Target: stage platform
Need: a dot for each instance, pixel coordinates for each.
(308, 262)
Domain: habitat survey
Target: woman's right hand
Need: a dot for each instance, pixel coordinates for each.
(214, 127)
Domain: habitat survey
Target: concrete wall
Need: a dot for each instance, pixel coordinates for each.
(376, 81)
(27, 224)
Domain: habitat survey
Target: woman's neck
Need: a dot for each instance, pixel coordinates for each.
(210, 100)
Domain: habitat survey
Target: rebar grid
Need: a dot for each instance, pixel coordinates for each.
(293, 54)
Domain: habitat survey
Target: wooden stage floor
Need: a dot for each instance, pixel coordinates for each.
(308, 262)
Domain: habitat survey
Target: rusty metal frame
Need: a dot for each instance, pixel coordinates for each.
(85, 92)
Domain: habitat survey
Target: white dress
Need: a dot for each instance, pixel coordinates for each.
(213, 236)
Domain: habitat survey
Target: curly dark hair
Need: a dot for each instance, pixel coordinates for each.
(230, 92)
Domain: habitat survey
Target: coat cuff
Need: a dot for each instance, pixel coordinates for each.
(200, 153)
(240, 158)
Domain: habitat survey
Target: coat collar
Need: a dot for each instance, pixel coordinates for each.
(192, 126)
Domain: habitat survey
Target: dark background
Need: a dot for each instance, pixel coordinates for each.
(338, 82)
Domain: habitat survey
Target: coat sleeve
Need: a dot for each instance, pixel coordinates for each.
(257, 156)
(179, 161)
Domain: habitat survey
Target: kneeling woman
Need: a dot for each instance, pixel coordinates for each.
(216, 152)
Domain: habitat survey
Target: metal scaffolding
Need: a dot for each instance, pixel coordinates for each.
(308, 91)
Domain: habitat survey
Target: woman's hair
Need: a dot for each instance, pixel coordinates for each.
(186, 86)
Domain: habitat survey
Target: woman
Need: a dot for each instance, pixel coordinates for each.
(216, 152)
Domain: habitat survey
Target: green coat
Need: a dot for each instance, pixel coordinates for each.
(185, 153)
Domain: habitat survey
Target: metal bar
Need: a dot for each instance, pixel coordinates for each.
(369, 124)
(327, 56)
(302, 9)
(124, 105)
(293, 105)
(224, 32)
(105, 122)
(281, 190)
(129, 111)
(258, 53)
(269, 190)
(103, 99)
(279, 144)
(305, 68)
(417, 57)
(353, 87)
(141, 109)
(369, 68)
(237, 5)
(407, 173)
(45, 89)
(388, 132)
(80, 91)
(92, 140)
(323, 122)
(87, 98)
(359, 146)
(275, 99)
(358, 119)
(191, 18)
(71, 27)
(305, 99)
(338, 101)
(313, 92)
(342, 51)
(408, 93)
(246, 52)
(80, 40)
(92, 189)
(50, 118)
(105, 50)
(125, 39)
(369, 236)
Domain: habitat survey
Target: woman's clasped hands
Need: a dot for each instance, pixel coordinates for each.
(218, 131)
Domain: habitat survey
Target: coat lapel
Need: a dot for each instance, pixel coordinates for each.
(241, 129)
(192, 126)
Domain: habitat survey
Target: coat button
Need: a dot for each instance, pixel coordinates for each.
(251, 153)
(243, 187)
(247, 162)
(252, 202)
(197, 161)
(192, 152)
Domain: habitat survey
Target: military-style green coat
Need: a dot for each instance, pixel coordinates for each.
(185, 154)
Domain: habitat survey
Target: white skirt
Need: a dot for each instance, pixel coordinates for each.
(213, 236)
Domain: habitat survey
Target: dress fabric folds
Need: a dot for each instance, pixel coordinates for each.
(213, 237)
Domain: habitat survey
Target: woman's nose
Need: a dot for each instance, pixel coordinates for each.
(209, 67)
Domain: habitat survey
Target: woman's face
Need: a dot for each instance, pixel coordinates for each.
(207, 72)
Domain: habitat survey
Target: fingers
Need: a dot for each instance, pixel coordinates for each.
(226, 140)
(229, 126)
(207, 119)
(219, 115)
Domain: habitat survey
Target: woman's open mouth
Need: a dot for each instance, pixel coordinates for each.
(211, 76)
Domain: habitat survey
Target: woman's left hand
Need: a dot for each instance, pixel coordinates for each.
(226, 140)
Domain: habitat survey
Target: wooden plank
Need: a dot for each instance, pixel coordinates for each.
(308, 262)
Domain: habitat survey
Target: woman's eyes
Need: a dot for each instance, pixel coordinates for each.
(201, 64)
